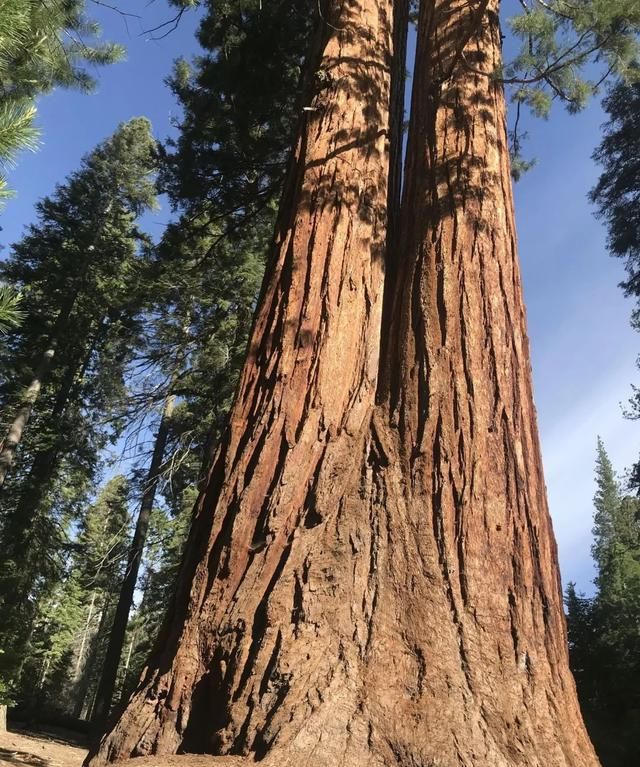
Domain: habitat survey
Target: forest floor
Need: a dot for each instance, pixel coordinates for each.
(55, 749)
(18, 749)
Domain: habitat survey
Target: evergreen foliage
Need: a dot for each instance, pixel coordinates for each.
(50, 45)
(70, 632)
(618, 189)
(562, 41)
(82, 270)
(604, 633)
(42, 46)
(613, 659)
(10, 312)
(240, 103)
(567, 50)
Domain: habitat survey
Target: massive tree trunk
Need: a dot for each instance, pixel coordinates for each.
(378, 584)
(479, 671)
(109, 674)
(253, 643)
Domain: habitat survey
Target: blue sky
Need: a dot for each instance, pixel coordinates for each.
(583, 348)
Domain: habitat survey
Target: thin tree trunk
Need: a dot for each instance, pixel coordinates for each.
(80, 707)
(125, 688)
(85, 636)
(228, 675)
(108, 677)
(127, 661)
(21, 419)
(378, 586)
(14, 435)
(46, 663)
(3, 718)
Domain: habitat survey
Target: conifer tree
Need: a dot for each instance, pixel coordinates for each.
(616, 197)
(43, 45)
(371, 575)
(66, 634)
(583, 648)
(607, 502)
(603, 631)
(240, 102)
(617, 190)
(82, 269)
(616, 532)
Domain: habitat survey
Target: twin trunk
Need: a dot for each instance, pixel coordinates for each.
(371, 576)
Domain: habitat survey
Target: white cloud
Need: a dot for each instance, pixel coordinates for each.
(568, 448)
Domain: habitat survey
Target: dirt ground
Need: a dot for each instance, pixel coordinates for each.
(38, 750)
(19, 749)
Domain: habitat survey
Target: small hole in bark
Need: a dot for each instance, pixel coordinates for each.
(312, 519)
(258, 543)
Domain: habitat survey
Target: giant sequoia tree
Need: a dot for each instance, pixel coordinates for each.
(371, 576)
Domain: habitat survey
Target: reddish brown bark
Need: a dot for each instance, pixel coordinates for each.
(253, 646)
(480, 673)
(379, 585)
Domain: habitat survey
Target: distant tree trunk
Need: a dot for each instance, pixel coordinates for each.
(377, 586)
(82, 709)
(17, 427)
(16, 430)
(127, 662)
(85, 637)
(3, 718)
(108, 677)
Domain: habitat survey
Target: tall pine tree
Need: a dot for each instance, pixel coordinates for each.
(83, 270)
(604, 639)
